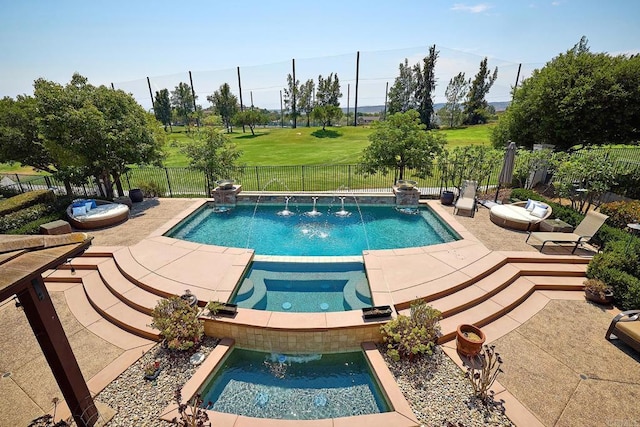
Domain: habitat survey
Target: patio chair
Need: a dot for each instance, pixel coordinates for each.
(587, 228)
(467, 200)
(626, 327)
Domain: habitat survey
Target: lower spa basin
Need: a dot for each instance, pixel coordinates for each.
(296, 387)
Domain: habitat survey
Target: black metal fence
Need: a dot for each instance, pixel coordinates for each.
(185, 182)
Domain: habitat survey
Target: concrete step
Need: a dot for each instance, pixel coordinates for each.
(126, 291)
(84, 312)
(117, 312)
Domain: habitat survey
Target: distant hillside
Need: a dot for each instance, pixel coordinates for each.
(374, 109)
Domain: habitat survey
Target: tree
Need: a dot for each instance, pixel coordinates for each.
(475, 108)
(328, 96)
(456, 91)
(473, 162)
(182, 100)
(425, 85)
(213, 153)
(79, 130)
(251, 118)
(401, 142)
(162, 108)
(326, 114)
(305, 100)
(225, 104)
(291, 93)
(402, 93)
(577, 98)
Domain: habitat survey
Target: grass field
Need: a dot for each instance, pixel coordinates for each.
(301, 146)
(312, 146)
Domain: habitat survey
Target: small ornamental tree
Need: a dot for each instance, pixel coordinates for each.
(213, 153)
(178, 323)
(399, 143)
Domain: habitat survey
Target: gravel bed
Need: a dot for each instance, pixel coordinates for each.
(441, 395)
(137, 401)
(435, 387)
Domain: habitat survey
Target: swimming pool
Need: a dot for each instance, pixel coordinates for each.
(313, 231)
(297, 387)
(304, 287)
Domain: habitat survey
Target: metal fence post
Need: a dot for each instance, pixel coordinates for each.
(302, 173)
(166, 172)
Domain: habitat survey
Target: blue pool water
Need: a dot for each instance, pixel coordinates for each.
(302, 387)
(304, 287)
(262, 229)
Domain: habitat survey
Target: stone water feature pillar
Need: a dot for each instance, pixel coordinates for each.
(407, 196)
(226, 193)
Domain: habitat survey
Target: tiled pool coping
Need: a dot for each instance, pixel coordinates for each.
(400, 416)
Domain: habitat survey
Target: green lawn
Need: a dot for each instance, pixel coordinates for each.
(312, 146)
(301, 146)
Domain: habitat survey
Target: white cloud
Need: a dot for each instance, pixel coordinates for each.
(478, 8)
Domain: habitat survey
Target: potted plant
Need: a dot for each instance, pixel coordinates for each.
(225, 308)
(446, 197)
(597, 291)
(152, 370)
(376, 312)
(178, 323)
(469, 340)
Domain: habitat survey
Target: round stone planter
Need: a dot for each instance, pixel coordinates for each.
(136, 196)
(469, 340)
(446, 198)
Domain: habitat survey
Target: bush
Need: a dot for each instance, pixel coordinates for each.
(619, 267)
(621, 213)
(178, 323)
(152, 189)
(25, 200)
(414, 335)
(17, 219)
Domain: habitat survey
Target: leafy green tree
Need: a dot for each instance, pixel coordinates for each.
(327, 106)
(456, 92)
(402, 92)
(473, 162)
(225, 104)
(305, 100)
(251, 118)
(476, 106)
(587, 169)
(213, 153)
(79, 130)
(182, 101)
(425, 85)
(401, 142)
(326, 114)
(577, 98)
(291, 94)
(162, 108)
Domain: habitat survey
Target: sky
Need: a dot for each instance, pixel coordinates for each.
(124, 42)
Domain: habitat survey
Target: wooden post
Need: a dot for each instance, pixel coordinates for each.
(240, 89)
(193, 95)
(48, 331)
(153, 104)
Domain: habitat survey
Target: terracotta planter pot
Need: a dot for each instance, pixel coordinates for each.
(469, 340)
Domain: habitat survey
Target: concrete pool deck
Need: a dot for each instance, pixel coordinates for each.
(559, 405)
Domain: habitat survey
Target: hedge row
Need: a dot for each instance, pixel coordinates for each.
(618, 265)
(24, 200)
(28, 219)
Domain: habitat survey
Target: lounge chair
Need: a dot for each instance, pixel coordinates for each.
(626, 327)
(467, 199)
(587, 228)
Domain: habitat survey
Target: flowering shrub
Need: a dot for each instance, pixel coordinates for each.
(178, 323)
(621, 213)
(414, 335)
